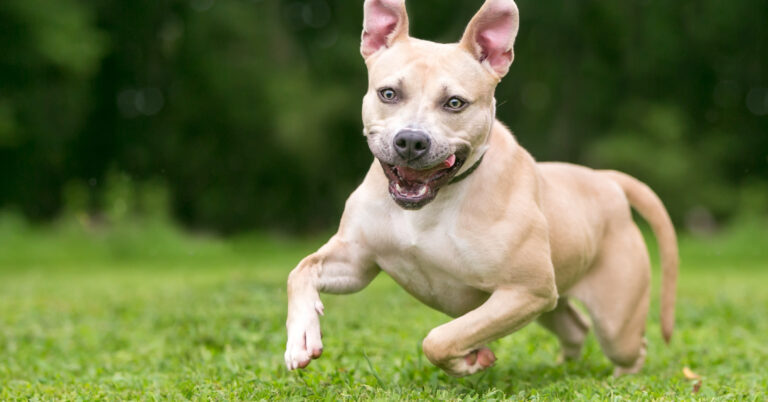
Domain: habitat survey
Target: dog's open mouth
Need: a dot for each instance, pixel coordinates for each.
(413, 188)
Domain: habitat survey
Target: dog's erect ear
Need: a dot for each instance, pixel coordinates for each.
(384, 22)
(491, 34)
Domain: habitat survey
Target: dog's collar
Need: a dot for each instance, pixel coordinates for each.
(468, 171)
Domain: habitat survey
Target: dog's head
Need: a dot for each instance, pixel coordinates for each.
(430, 106)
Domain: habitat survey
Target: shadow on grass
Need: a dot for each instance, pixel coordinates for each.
(512, 379)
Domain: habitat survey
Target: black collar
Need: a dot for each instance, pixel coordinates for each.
(468, 171)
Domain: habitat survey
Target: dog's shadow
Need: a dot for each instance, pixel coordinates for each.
(513, 379)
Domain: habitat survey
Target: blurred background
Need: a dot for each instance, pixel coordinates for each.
(240, 115)
(165, 163)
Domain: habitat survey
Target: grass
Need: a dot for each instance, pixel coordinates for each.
(142, 311)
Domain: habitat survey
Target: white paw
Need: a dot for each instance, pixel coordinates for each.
(475, 361)
(304, 338)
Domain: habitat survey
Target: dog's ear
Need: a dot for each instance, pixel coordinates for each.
(491, 34)
(384, 22)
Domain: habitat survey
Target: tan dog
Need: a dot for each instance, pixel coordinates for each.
(507, 240)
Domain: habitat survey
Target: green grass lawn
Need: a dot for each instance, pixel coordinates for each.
(147, 312)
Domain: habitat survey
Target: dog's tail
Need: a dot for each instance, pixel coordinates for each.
(648, 204)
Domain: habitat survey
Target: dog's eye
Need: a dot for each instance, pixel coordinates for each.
(455, 104)
(388, 95)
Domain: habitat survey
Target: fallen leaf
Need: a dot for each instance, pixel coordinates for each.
(696, 386)
(690, 375)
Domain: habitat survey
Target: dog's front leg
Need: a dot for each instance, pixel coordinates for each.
(457, 346)
(338, 267)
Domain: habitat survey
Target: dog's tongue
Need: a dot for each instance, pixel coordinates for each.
(422, 176)
(449, 161)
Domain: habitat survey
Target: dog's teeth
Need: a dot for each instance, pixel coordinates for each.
(422, 191)
(398, 188)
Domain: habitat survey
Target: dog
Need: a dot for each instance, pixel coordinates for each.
(464, 219)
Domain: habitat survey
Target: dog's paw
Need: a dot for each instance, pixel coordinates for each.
(304, 339)
(473, 362)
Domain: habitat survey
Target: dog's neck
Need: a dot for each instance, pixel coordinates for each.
(468, 171)
(492, 163)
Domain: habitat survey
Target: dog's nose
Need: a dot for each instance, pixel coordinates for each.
(411, 144)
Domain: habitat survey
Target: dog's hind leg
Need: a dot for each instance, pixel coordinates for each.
(570, 327)
(616, 295)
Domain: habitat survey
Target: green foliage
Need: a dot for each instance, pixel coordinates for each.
(249, 110)
(60, 33)
(134, 225)
(131, 312)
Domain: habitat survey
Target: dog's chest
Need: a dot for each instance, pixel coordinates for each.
(441, 265)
